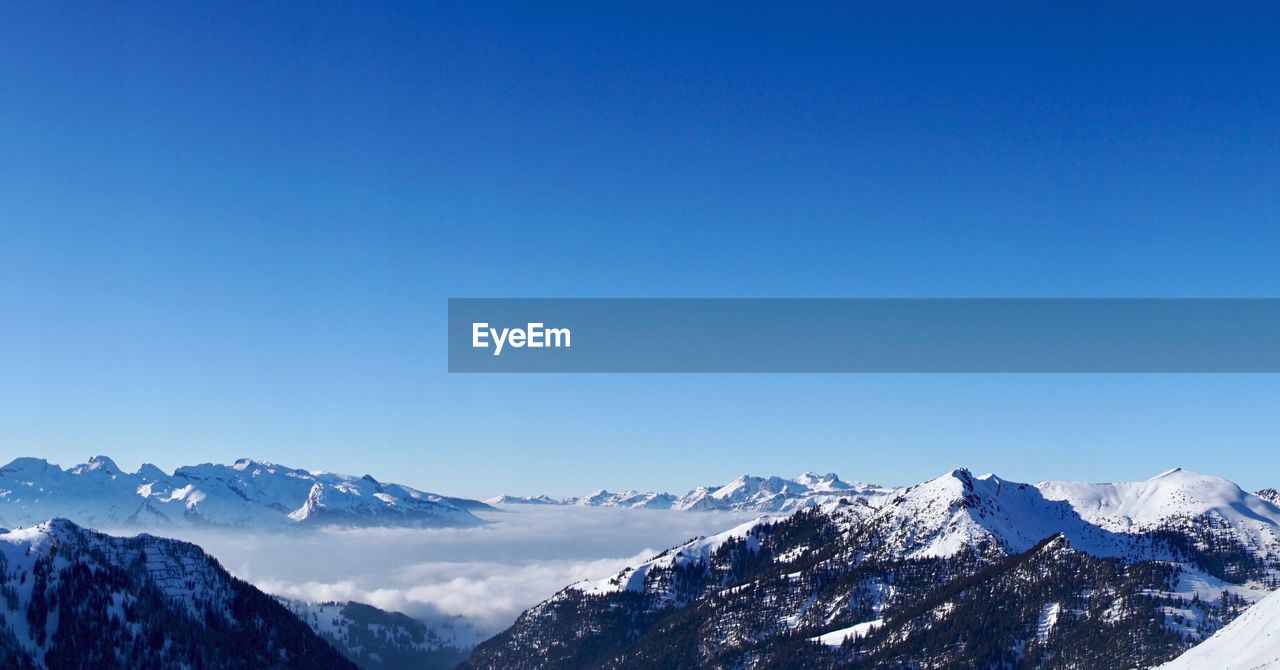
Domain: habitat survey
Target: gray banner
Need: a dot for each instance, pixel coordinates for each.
(864, 335)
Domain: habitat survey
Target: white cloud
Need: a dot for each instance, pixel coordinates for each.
(488, 574)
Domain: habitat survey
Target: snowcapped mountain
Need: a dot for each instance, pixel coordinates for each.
(246, 494)
(528, 500)
(628, 498)
(959, 571)
(600, 498)
(776, 494)
(744, 494)
(1251, 642)
(375, 639)
(74, 598)
(959, 511)
(1270, 495)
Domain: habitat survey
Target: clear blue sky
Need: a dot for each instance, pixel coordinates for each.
(229, 229)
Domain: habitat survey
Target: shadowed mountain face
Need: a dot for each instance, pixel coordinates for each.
(375, 639)
(74, 598)
(957, 572)
(246, 494)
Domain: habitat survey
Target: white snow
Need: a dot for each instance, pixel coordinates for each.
(1048, 619)
(1251, 642)
(1130, 506)
(837, 637)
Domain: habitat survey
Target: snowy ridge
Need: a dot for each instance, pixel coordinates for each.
(958, 512)
(73, 597)
(747, 493)
(1251, 642)
(246, 494)
(1080, 571)
(695, 551)
(987, 516)
(180, 570)
(1173, 498)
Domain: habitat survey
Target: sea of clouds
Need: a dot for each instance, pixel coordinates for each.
(487, 575)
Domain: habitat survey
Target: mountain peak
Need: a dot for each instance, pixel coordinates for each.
(151, 471)
(101, 462)
(960, 476)
(1167, 473)
(98, 463)
(246, 463)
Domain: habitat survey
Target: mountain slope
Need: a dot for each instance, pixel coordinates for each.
(1251, 642)
(74, 598)
(959, 571)
(246, 494)
(375, 639)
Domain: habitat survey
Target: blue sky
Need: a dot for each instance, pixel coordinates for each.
(230, 230)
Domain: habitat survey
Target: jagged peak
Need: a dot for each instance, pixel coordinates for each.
(103, 463)
(1057, 540)
(246, 463)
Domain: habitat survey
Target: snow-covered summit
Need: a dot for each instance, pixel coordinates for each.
(958, 511)
(1169, 498)
(246, 494)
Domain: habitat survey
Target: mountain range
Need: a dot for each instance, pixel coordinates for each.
(747, 493)
(246, 494)
(957, 572)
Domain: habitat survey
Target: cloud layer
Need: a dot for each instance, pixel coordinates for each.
(487, 575)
